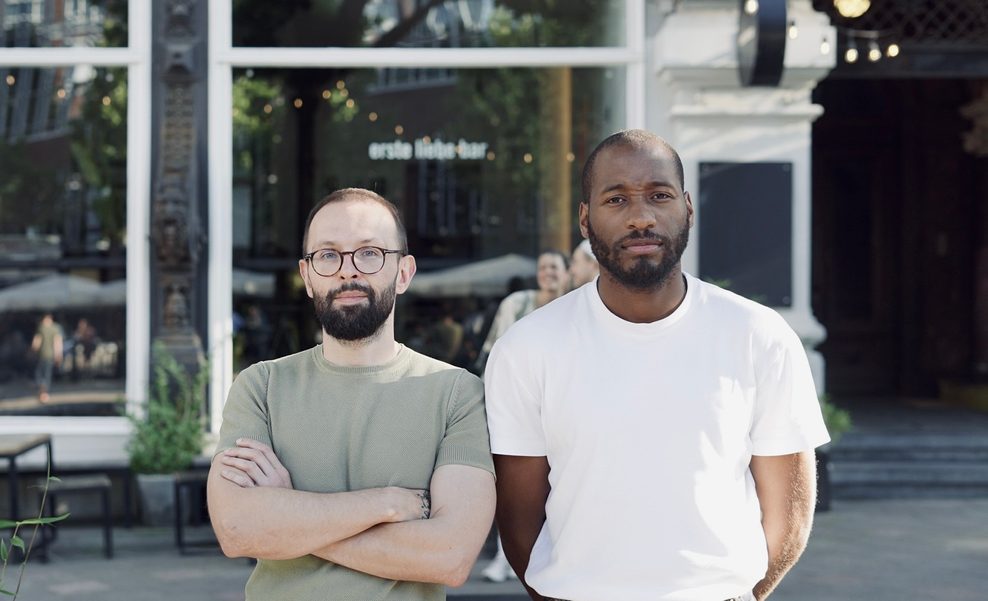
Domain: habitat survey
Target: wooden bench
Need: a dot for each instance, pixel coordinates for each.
(72, 485)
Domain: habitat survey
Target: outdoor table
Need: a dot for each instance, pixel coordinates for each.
(13, 446)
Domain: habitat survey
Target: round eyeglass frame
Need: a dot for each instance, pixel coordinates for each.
(343, 253)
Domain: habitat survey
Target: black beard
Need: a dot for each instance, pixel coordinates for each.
(357, 322)
(643, 275)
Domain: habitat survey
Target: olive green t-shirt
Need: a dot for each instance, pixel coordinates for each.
(340, 429)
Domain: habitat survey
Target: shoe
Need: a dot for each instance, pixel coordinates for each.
(496, 571)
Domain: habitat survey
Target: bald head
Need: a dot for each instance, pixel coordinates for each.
(637, 139)
(357, 194)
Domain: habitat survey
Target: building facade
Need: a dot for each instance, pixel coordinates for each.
(158, 161)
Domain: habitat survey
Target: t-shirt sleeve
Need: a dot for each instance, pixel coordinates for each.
(466, 441)
(245, 414)
(514, 404)
(787, 416)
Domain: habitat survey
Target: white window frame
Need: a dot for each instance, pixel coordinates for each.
(92, 439)
(224, 57)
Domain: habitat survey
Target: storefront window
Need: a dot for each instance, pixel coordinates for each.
(428, 24)
(62, 239)
(484, 165)
(63, 23)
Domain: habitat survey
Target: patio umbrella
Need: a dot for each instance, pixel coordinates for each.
(488, 277)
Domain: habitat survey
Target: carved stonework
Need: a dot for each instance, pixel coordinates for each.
(176, 231)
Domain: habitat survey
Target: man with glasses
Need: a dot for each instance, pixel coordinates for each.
(358, 469)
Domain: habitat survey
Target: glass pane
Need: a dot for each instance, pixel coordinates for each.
(62, 239)
(428, 23)
(63, 23)
(484, 165)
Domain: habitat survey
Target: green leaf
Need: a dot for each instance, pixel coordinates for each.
(54, 479)
(6, 592)
(3, 550)
(18, 542)
(43, 521)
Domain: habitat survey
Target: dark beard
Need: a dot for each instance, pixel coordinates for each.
(356, 322)
(643, 275)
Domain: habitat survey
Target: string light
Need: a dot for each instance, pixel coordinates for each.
(852, 9)
(874, 52)
(851, 54)
(892, 51)
(793, 30)
(825, 46)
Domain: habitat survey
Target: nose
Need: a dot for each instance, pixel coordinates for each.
(640, 215)
(348, 270)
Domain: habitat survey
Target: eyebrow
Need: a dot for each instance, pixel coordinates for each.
(651, 184)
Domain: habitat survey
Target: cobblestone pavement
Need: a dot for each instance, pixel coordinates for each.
(861, 550)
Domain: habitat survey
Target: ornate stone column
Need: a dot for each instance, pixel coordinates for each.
(700, 106)
(177, 191)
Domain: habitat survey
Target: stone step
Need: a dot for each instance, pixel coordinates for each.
(941, 447)
(889, 479)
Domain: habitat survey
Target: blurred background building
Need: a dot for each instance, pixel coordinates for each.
(158, 160)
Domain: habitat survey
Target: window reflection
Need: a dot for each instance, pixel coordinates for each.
(483, 163)
(63, 23)
(428, 24)
(62, 239)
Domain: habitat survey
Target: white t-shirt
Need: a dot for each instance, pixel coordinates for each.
(649, 430)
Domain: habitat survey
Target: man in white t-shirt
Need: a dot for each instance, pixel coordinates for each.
(653, 435)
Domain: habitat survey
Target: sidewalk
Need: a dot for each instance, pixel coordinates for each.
(883, 550)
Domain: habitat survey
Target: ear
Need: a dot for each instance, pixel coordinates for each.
(689, 209)
(584, 218)
(406, 271)
(303, 270)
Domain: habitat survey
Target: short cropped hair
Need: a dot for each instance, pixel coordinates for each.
(350, 193)
(630, 138)
(556, 253)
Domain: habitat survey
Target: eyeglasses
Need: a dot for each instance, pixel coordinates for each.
(368, 260)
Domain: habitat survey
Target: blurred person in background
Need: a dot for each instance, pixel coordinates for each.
(47, 344)
(553, 281)
(583, 266)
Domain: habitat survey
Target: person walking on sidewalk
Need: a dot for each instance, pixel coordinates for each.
(653, 434)
(47, 343)
(358, 469)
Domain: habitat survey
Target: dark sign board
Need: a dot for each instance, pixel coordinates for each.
(761, 42)
(745, 218)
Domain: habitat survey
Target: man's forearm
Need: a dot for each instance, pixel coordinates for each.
(522, 491)
(786, 489)
(280, 523)
(441, 549)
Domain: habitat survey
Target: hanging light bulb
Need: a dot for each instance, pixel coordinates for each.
(793, 30)
(852, 9)
(874, 52)
(892, 51)
(751, 7)
(825, 46)
(851, 54)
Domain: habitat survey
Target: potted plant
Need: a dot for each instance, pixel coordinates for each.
(838, 421)
(168, 435)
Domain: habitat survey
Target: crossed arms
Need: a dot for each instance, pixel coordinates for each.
(391, 532)
(785, 485)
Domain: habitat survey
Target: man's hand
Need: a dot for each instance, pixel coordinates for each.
(252, 463)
